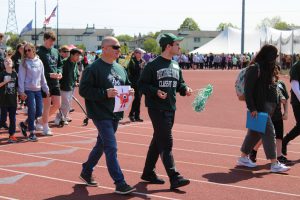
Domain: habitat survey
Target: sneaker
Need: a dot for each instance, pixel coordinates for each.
(32, 138)
(138, 119)
(89, 180)
(23, 128)
(47, 131)
(124, 189)
(179, 182)
(12, 139)
(71, 110)
(39, 127)
(66, 122)
(279, 167)
(245, 161)
(154, 179)
(131, 118)
(283, 160)
(252, 156)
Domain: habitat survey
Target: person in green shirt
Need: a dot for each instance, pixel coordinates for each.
(97, 88)
(160, 81)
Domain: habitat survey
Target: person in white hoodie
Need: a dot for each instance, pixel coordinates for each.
(31, 81)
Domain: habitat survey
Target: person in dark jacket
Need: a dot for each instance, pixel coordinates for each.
(160, 81)
(67, 84)
(261, 96)
(134, 69)
(97, 88)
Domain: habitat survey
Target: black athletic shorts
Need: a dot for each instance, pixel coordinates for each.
(53, 92)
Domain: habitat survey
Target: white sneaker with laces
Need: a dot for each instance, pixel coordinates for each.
(39, 127)
(245, 161)
(47, 131)
(279, 167)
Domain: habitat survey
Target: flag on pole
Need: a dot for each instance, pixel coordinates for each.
(47, 20)
(27, 28)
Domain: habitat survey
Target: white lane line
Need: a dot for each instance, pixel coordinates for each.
(133, 171)
(75, 182)
(7, 198)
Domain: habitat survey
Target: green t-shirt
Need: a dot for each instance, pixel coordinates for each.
(8, 92)
(96, 79)
(162, 74)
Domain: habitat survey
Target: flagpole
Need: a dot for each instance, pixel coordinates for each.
(35, 38)
(57, 25)
(45, 14)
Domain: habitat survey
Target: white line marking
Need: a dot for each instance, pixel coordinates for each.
(8, 198)
(75, 182)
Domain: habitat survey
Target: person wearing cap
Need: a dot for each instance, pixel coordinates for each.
(64, 51)
(70, 79)
(160, 81)
(134, 69)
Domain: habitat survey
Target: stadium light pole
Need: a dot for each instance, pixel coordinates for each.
(243, 27)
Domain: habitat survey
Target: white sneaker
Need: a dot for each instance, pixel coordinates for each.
(279, 167)
(245, 161)
(39, 127)
(66, 122)
(47, 131)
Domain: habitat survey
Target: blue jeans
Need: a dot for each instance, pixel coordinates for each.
(12, 118)
(34, 103)
(107, 143)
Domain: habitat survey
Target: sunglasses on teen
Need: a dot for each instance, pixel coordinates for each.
(27, 50)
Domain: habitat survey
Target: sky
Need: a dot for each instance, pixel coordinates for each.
(136, 16)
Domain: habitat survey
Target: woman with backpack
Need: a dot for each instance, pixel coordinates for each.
(261, 96)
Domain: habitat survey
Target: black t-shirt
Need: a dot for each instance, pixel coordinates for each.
(8, 92)
(295, 75)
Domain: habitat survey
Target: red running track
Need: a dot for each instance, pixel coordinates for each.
(206, 147)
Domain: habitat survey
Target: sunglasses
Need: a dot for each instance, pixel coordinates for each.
(115, 47)
(27, 50)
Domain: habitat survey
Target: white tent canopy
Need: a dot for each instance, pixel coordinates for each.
(229, 41)
(288, 42)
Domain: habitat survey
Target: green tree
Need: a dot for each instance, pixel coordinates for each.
(124, 38)
(274, 22)
(224, 25)
(189, 24)
(150, 45)
(14, 40)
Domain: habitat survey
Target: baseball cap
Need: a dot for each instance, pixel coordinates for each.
(168, 38)
(74, 51)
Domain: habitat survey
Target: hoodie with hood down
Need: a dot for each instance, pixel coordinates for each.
(31, 76)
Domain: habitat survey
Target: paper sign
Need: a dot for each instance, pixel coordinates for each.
(123, 99)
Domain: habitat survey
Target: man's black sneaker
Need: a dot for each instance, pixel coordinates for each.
(124, 189)
(252, 155)
(5, 126)
(154, 179)
(138, 120)
(131, 118)
(89, 180)
(32, 138)
(283, 160)
(23, 128)
(179, 182)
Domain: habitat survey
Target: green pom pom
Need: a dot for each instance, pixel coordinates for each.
(201, 98)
